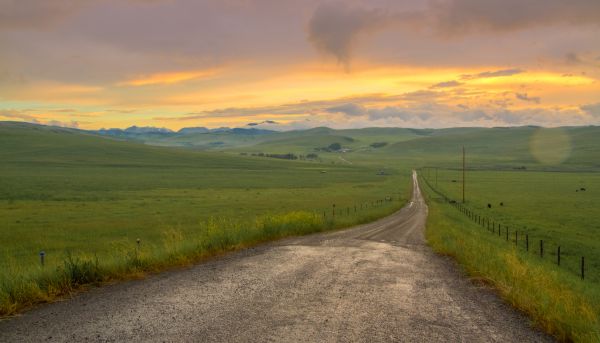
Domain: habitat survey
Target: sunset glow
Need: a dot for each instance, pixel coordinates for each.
(110, 64)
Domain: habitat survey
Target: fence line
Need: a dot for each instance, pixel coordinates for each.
(334, 212)
(498, 228)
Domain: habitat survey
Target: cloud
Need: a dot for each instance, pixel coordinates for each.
(510, 117)
(335, 28)
(72, 124)
(301, 107)
(421, 95)
(572, 58)
(347, 109)
(592, 109)
(35, 14)
(272, 122)
(472, 115)
(525, 97)
(21, 115)
(421, 113)
(459, 17)
(488, 74)
(447, 84)
(169, 78)
(17, 114)
(391, 112)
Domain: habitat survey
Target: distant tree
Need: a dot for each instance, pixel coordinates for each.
(335, 146)
(379, 144)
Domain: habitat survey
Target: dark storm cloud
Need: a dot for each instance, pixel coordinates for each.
(335, 27)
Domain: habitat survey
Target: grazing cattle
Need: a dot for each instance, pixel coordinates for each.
(501, 204)
(489, 205)
(582, 189)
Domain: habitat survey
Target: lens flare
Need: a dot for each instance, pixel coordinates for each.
(550, 146)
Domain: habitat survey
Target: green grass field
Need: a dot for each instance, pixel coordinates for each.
(532, 148)
(548, 206)
(85, 200)
(556, 299)
(65, 192)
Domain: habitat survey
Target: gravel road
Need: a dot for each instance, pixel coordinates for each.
(377, 282)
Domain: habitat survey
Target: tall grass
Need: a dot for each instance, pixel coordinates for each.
(22, 287)
(556, 300)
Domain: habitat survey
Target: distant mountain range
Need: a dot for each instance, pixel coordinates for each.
(136, 131)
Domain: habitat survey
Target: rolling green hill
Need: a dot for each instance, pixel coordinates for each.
(570, 148)
(298, 141)
(76, 193)
(71, 193)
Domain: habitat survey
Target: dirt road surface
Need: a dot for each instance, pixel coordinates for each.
(378, 282)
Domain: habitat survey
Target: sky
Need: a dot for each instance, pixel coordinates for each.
(294, 64)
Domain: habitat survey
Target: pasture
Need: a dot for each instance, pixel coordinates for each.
(554, 297)
(70, 194)
(548, 206)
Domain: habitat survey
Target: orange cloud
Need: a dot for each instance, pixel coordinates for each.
(170, 78)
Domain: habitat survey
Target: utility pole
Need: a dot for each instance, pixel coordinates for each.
(463, 183)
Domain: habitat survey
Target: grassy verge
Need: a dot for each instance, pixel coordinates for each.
(21, 287)
(556, 300)
(548, 206)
